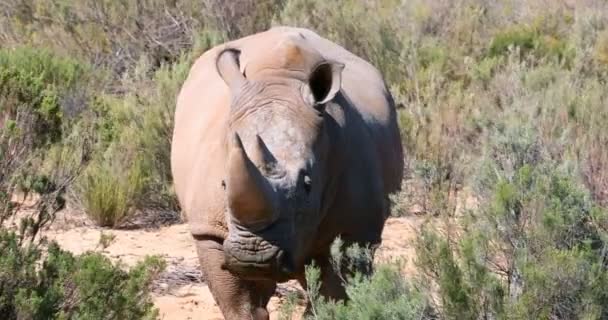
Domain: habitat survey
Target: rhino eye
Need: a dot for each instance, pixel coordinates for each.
(307, 183)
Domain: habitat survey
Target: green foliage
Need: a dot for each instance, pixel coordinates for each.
(341, 21)
(155, 129)
(110, 190)
(88, 286)
(500, 103)
(384, 294)
(534, 249)
(37, 82)
(522, 38)
(39, 280)
(529, 40)
(115, 35)
(131, 170)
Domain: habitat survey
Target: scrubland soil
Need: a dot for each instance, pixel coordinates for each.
(180, 292)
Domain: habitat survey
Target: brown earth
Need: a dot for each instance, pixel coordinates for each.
(179, 293)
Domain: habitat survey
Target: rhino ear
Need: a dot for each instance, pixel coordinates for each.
(227, 65)
(325, 81)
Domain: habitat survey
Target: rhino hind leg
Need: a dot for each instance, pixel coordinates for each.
(237, 298)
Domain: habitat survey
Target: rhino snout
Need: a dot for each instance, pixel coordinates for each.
(252, 257)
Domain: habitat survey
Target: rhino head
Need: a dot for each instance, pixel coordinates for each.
(279, 148)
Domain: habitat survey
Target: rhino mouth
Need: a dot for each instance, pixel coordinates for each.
(252, 257)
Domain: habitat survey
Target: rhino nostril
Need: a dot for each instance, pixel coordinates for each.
(284, 262)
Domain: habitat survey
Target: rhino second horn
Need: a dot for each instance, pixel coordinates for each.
(262, 156)
(249, 194)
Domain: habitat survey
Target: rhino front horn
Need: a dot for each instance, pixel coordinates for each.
(250, 197)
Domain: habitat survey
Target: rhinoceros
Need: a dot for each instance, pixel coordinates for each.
(283, 141)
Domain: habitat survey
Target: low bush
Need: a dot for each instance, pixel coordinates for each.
(38, 280)
(114, 35)
(42, 88)
(110, 190)
(341, 22)
(60, 285)
(534, 249)
(383, 294)
(130, 170)
(528, 41)
(500, 103)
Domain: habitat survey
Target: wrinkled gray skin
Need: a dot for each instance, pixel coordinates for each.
(283, 141)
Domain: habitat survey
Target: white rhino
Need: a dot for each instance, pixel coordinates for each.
(283, 141)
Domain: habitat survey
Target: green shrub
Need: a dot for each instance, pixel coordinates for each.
(349, 24)
(38, 84)
(114, 35)
(38, 280)
(131, 169)
(110, 189)
(534, 249)
(601, 49)
(155, 130)
(523, 38)
(383, 294)
(65, 286)
(518, 133)
(530, 40)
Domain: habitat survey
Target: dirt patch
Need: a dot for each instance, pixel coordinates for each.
(180, 292)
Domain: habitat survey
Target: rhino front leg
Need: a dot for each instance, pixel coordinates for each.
(238, 299)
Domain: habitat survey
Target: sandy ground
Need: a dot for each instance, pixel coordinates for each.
(180, 294)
